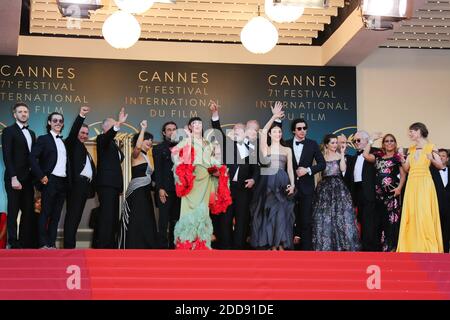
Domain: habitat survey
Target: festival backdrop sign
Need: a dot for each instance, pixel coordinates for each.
(162, 91)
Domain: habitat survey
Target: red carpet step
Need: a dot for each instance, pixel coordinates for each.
(221, 275)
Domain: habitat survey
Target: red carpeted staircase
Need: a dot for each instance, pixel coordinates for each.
(221, 275)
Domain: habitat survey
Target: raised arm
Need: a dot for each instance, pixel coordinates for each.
(76, 126)
(343, 163)
(138, 146)
(436, 160)
(263, 139)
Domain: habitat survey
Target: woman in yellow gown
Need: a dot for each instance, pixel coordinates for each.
(420, 227)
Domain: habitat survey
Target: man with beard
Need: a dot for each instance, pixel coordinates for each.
(166, 197)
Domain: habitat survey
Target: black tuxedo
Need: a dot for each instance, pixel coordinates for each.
(169, 212)
(81, 188)
(363, 195)
(247, 168)
(305, 189)
(16, 157)
(43, 159)
(443, 194)
(109, 184)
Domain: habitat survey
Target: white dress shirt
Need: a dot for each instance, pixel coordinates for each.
(61, 160)
(298, 149)
(357, 173)
(243, 153)
(444, 176)
(87, 170)
(27, 135)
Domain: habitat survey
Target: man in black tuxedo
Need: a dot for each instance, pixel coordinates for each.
(441, 182)
(50, 165)
(17, 141)
(361, 176)
(83, 176)
(109, 183)
(304, 152)
(243, 173)
(166, 198)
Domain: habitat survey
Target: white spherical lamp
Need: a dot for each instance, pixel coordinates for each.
(134, 6)
(259, 35)
(282, 13)
(121, 30)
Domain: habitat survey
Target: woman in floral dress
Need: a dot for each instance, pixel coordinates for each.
(390, 179)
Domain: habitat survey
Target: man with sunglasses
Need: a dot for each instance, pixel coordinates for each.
(304, 151)
(50, 165)
(361, 176)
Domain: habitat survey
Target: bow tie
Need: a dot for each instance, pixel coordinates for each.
(445, 169)
(25, 127)
(359, 152)
(59, 136)
(299, 142)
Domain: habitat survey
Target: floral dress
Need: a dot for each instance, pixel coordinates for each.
(388, 206)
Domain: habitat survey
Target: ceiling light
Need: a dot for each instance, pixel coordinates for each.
(78, 8)
(121, 30)
(134, 6)
(259, 35)
(282, 13)
(304, 3)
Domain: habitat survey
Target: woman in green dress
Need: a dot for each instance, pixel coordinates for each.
(202, 183)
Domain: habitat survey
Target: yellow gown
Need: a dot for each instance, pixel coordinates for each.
(420, 227)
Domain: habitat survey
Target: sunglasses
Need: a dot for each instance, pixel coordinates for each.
(389, 141)
(357, 140)
(301, 128)
(57, 120)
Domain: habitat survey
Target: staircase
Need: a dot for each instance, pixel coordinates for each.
(221, 275)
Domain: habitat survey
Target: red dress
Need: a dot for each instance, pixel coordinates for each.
(3, 225)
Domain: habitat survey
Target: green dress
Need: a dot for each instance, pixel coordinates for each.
(194, 228)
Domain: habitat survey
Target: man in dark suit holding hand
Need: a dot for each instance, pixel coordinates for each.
(83, 176)
(17, 141)
(109, 183)
(166, 198)
(51, 167)
(304, 152)
(243, 175)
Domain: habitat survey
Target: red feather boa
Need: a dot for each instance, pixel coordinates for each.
(185, 171)
(221, 199)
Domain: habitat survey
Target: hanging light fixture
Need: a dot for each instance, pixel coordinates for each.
(134, 6)
(259, 35)
(282, 13)
(121, 30)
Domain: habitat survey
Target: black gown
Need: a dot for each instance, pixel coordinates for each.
(138, 223)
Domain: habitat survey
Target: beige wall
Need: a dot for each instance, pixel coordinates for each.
(396, 87)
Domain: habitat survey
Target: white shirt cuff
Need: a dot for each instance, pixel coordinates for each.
(309, 171)
(116, 128)
(215, 118)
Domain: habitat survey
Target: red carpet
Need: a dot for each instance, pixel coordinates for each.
(224, 275)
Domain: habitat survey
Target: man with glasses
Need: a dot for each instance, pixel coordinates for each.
(83, 177)
(50, 165)
(305, 151)
(361, 175)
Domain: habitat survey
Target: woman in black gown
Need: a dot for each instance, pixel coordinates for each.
(138, 224)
